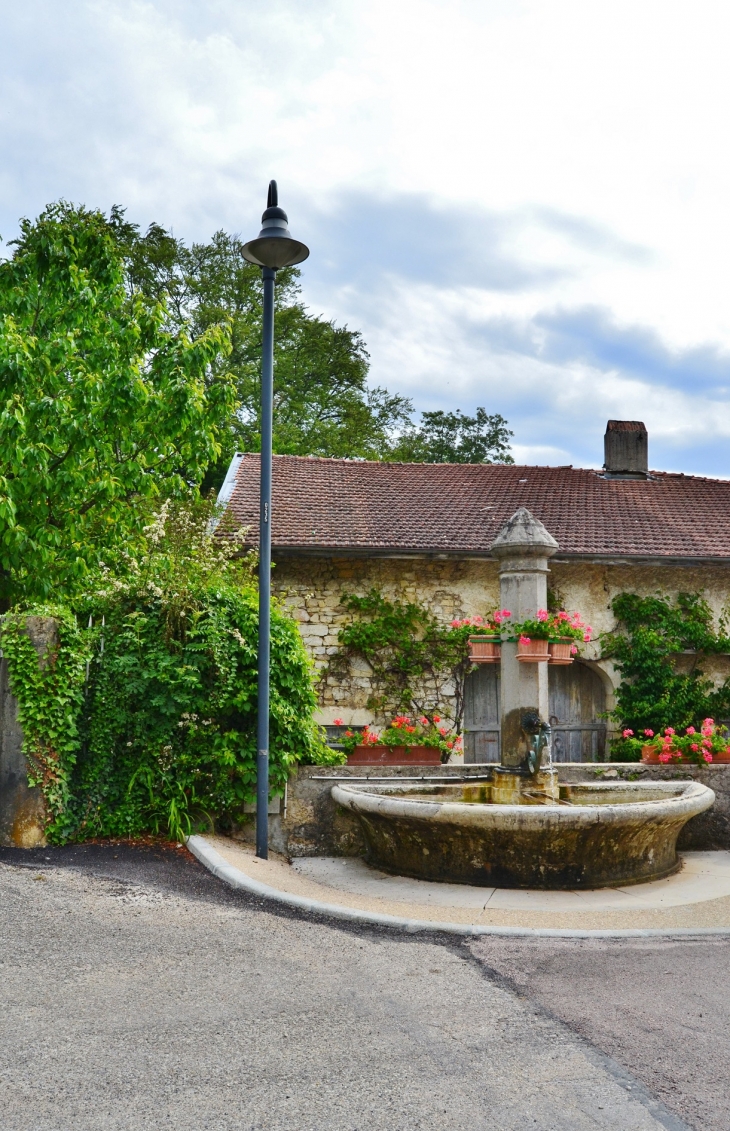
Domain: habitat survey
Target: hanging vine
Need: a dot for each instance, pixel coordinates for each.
(417, 664)
(654, 692)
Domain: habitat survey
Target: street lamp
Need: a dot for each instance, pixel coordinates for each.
(273, 249)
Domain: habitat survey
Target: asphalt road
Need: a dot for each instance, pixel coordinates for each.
(138, 992)
(661, 1008)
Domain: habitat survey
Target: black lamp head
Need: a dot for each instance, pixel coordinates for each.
(274, 247)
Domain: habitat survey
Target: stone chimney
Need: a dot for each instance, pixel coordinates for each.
(626, 450)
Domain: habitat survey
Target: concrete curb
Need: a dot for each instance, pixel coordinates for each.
(235, 878)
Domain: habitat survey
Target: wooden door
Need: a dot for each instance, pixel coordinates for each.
(481, 714)
(577, 699)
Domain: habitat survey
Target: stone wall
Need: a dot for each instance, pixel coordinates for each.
(310, 824)
(22, 808)
(313, 587)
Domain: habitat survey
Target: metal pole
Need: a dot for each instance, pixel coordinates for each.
(267, 412)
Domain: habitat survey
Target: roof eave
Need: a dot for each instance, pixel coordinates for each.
(432, 552)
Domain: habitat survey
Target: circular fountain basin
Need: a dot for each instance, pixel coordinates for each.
(597, 835)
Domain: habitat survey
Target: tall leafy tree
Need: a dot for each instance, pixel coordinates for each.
(106, 402)
(323, 404)
(452, 437)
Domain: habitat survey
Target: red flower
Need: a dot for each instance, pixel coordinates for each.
(337, 723)
(437, 718)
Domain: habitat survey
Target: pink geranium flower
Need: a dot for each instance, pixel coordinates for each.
(691, 730)
(649, 733)
(628, 733)
(525, 639)
(542, 614)
(694, 747)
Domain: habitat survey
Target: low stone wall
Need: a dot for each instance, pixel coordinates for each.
(310, 824)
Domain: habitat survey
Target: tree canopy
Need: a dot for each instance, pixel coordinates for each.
(452, 437)
(130, 371)
(323, 404)
(105, 404)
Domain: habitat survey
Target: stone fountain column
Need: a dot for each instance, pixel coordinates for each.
(523, 547)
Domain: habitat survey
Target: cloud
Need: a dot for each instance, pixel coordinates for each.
(521, 205)
(594, 336)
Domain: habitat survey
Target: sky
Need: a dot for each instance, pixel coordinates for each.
(522, 205)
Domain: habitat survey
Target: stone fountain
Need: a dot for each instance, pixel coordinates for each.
(520, 827)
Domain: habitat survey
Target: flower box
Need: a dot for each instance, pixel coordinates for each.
(485, 649)
(650, 757)
(561, 652)
(375, 754)
(533, 651)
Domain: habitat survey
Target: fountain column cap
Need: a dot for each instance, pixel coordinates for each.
(523, 536)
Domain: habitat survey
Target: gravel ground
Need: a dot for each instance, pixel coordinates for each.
(138, 992)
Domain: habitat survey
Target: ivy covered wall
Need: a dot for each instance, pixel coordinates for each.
(312, 589)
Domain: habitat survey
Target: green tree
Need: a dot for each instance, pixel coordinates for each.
(105, 403)
(452, 437)
(323, 404)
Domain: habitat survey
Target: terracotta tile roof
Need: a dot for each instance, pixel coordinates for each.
(365, 507)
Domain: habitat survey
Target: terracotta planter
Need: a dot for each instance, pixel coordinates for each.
(376, 755)
(485, 649)
(536, 652)
(650, 757)
(560, 653)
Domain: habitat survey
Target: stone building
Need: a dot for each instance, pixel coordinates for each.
(422, 532)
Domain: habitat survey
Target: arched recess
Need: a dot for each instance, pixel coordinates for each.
(577, 700)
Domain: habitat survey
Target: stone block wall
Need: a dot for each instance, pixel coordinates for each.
(313, 587)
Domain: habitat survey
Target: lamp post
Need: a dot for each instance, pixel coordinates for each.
(273, 249)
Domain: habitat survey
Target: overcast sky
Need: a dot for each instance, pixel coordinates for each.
(521, 205)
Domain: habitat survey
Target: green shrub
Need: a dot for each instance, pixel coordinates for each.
(653, 694)
(144, 720)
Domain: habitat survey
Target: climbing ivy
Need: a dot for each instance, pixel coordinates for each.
(418, 664)
(653, 692)
(50, 693)
(144, 719)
